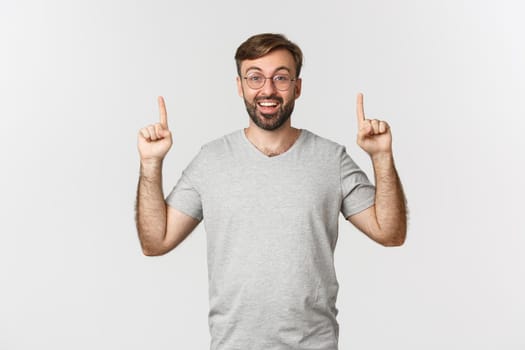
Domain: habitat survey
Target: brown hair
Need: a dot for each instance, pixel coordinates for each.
(262, 44)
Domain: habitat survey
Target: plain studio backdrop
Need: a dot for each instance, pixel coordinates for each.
(78, 79)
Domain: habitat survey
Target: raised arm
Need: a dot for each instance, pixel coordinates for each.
(386, 221)
(160, 227)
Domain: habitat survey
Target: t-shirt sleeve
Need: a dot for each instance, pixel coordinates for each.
(185, 195)
(357, 191)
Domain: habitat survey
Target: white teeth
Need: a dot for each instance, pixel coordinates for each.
(268, 104)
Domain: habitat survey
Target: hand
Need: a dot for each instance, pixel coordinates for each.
(154, 141)
(374, 136)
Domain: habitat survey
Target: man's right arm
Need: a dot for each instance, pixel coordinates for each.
(160, 227)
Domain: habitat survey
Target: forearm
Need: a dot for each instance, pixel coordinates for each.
(150, 206)
(390, 203)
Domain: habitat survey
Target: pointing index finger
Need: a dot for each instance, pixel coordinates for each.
(163, 112)
(360, 109)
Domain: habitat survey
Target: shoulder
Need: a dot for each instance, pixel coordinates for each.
(221, 146)
(212, 155)
(322, 145)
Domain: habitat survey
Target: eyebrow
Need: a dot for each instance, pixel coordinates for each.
(260, 70)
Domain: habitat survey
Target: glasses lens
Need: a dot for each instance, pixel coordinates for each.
(281, 82)
(257, 80)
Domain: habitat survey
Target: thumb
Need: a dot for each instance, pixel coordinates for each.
(365, 130)
(164, 132)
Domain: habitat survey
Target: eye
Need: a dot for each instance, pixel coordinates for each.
(281, 78)
(255, 77)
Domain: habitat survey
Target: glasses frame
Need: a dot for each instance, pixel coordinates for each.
(272, 78)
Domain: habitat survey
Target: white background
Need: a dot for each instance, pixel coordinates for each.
(78, 79)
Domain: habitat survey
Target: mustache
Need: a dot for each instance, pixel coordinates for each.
(271, 97)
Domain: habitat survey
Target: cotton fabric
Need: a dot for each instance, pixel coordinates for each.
(272, 225)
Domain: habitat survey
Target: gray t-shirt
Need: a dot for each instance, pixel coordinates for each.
(272, 225)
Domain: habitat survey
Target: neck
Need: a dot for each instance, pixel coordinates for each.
(273, 142)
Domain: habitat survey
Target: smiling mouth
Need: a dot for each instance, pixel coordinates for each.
(268, 104)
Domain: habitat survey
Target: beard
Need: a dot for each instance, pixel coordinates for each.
(270, 121)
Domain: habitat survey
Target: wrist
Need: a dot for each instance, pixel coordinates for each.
(382, 157)
(151, 163)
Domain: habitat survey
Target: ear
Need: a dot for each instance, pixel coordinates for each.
(239, 87)
(297, 86)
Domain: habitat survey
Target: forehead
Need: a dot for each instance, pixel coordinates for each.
(271, 62)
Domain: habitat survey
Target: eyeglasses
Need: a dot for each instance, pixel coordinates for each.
(280, 81)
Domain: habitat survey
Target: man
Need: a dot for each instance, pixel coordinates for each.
(270, 197)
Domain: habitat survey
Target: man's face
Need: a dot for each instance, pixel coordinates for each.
(268, 107)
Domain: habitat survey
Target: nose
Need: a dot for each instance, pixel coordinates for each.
(268, 87)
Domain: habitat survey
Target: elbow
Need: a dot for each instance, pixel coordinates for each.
(153, 250)
(393, 243)
(150, 252)
(394, 239)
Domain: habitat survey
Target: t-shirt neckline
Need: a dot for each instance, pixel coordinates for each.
(290, 150)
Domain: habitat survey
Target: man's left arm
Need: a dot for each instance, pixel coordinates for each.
(386, 221)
